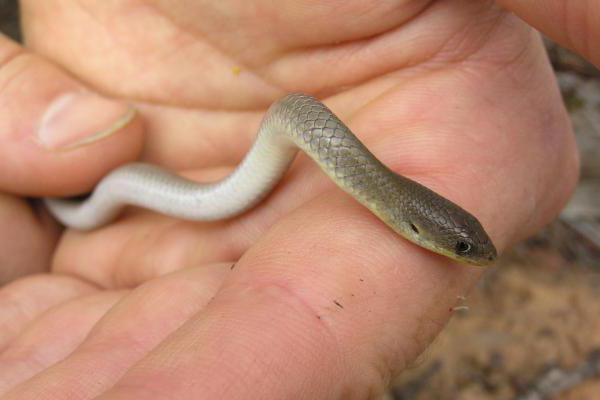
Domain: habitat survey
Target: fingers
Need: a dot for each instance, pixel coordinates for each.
(27, 240)
(573, 24)
(319, 313)
(306, 303)
(24, 300)
(46, 341)
(138, 323)
(56, 136)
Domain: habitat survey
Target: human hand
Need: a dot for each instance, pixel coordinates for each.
(324, 300)
(573, 24)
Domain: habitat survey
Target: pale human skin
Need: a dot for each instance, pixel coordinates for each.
(324, 301)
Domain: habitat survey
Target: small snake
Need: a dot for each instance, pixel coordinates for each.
(295, 122)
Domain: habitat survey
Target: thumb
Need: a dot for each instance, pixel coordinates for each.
(57, 137)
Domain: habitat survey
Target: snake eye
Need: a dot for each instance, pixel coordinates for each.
(462, 247)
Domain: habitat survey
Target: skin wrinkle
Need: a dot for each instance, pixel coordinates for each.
(289, 296)
(521, 55)
(20, 62)
(519, 58)
(435, 60)
(12, 306)
(452, 49)
(175, 283)
(175, 46)
(24, 350)
(197, 35)
(359, 46)
(347, 59)
(301, 11)
(447, 51)
(473, 75)
(24, 308)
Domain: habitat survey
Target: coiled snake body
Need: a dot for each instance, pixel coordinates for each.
(295, 122)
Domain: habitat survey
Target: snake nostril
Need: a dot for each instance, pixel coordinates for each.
(414, 228)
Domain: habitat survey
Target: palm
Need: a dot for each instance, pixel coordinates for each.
(444, 93)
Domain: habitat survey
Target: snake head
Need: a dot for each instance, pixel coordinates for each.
(460, 237)
(440, 225)
(455, 234)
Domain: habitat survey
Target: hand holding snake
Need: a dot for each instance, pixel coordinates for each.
(308, 292)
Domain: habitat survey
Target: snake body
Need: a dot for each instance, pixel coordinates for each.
(295, 122)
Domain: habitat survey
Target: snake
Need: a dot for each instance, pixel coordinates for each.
(294, 122)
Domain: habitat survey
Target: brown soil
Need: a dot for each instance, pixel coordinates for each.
(525, 323)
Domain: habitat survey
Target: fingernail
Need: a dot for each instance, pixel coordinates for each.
(81, 118)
